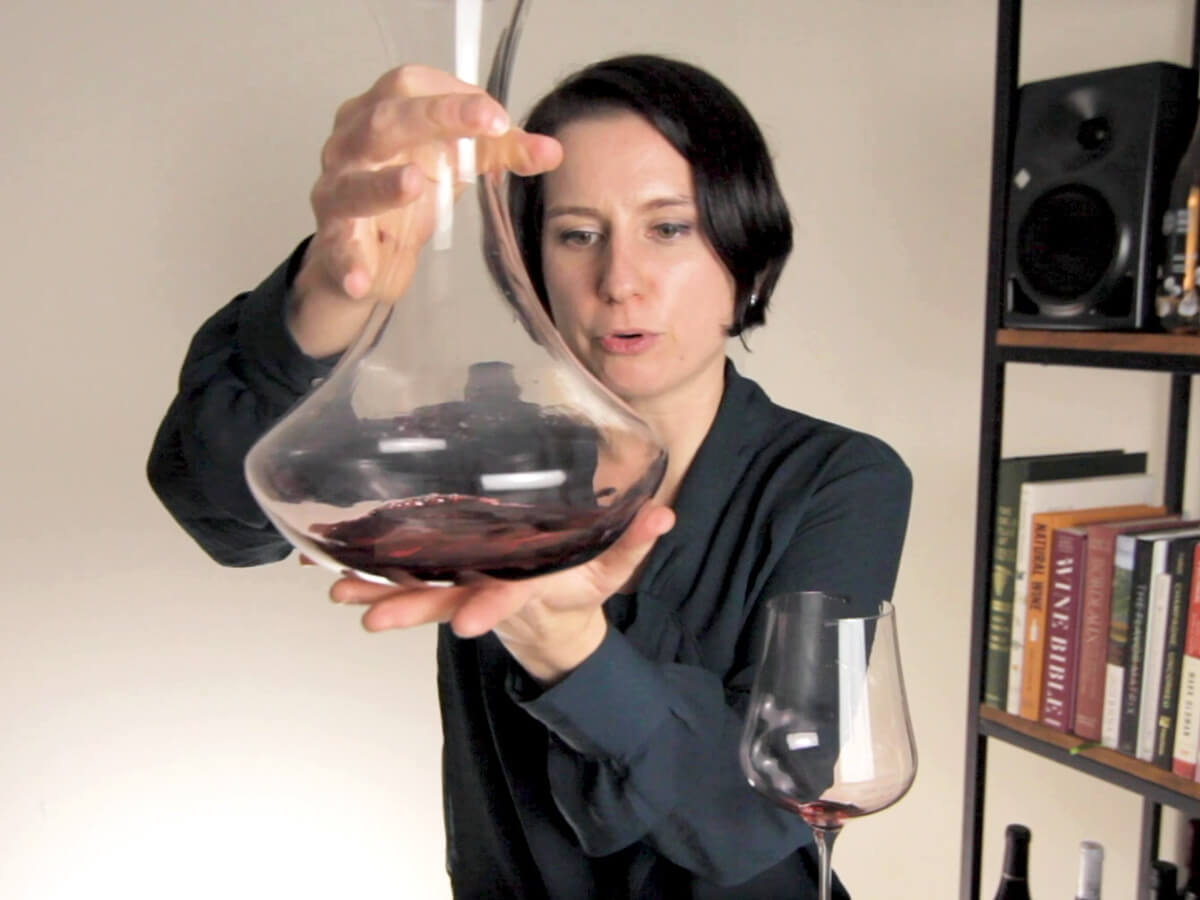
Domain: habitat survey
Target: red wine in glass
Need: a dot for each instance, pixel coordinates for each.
(826, 814)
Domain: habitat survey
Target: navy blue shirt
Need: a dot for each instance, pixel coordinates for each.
(622, 779)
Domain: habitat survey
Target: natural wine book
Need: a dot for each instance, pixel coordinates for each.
(1058, 496)
(1013, 472)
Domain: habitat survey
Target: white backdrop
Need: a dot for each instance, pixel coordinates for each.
(173, 729)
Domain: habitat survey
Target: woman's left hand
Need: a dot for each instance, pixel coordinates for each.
(549, 623)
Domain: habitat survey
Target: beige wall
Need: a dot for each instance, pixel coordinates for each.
(172, 729)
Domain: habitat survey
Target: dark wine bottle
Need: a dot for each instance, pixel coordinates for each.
(1163, 880)
(1176, 300)
(1091, 864)
(1191, 887)
(1014, 881)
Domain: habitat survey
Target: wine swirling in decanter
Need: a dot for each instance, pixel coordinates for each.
(458, 433)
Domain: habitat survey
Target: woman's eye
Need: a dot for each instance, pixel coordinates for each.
(578, 238)
(671, 230)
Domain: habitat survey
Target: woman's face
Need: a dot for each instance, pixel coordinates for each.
(634, 286)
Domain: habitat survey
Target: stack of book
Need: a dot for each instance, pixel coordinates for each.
(1094, 615)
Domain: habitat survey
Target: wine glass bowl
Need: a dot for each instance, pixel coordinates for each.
(827, 734)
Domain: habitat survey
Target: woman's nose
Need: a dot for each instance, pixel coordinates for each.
(621, 274)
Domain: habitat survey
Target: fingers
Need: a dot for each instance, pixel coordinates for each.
(355, 591)
(614, 566)
(412, 608)
(363, 193)
(651, 523)
(519, 152)
(489, 604)
(474, 607)
(340, 258)
(403, 81)
(382, 131)
(345, 203)
(413, 80)
(409, 603)
(478, 604)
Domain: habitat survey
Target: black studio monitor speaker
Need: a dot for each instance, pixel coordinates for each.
(1093, 159)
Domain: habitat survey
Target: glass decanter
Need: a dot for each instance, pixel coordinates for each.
(458, 433)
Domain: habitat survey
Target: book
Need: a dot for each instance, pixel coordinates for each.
(1187, 731)
(1117, 659)
(1067, 562)
(1044, 526)
(1062, 495)
(1095, 614)
(1180, 555)
(1152, 656)
(1011, 473)
(1148, 560)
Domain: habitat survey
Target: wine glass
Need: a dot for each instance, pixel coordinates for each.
(827, 734)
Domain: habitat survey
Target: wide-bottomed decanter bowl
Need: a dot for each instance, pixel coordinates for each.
(458, 433)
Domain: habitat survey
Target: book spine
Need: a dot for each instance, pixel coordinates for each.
(1152, 665)
(1093, 632)
(1139, 613)
(1035, 621)
(1004, 564)
(1187, 732)
(1016, 645)
(1062, 628)
(1118, 642)
(1179, 567)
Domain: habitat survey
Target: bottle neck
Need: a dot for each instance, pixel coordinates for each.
(1091, 860)
(1163, 880)
(1192, 886)
(1016, 859)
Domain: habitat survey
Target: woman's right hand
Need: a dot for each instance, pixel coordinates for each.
(375, 200)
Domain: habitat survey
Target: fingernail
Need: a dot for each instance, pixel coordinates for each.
(498, 125)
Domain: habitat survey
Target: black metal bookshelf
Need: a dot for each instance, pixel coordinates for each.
(1175, 355)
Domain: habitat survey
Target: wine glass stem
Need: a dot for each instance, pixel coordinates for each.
(824, 836)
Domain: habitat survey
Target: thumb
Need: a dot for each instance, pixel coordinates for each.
(519, 151)
(651, 522)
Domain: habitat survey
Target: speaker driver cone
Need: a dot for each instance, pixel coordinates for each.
(1066, 243)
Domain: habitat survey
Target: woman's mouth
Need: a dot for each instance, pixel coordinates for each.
(628, 342)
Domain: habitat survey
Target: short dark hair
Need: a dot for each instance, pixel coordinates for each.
(741, 209)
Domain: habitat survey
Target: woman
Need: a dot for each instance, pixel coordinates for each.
(592, 715)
